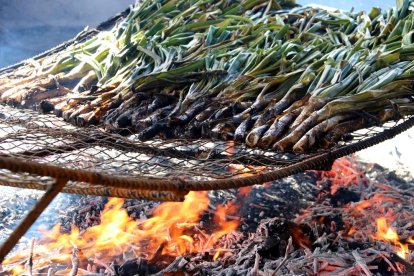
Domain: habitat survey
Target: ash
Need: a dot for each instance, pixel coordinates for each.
(333, 234)
(16, 202)
(315, 223)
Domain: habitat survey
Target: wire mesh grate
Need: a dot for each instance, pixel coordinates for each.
(180, 164)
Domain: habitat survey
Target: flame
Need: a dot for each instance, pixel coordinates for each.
(345, 173)
(373, 202)
(300, 238)
(221, 218)
(173, 230)
(388, 234)
(351, 231)
(216, 255)
(226, 225)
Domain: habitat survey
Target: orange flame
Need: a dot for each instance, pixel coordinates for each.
(388, 234)
(173, 230)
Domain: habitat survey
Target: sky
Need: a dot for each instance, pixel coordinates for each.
(348, 4)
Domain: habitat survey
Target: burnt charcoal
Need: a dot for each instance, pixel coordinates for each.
(347, 137)
(171, 132)
(136, 267)
(242, 129)
(278, 232)
(309, 176)
(383, 268)
(124, 108)
(394, 178)
(224, 131)
(186, 116)
(94, 88)
(353, 245)
(140, 113)
(282, 198)
(311, 208)
(205, 271)
(109, 117)
(206, 114)
(238, 107)
(205, 129)
(141, 96)
(113, 106)
(344, 196)
(229, 272)
(154, 117)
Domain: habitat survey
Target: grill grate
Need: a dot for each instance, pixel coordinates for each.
(44, 147)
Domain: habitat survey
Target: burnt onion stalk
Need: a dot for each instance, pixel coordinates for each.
(271, 74)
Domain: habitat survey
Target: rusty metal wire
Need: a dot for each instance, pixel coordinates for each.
(43, 152)
(36, 149)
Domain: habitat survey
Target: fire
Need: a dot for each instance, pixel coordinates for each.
(344, 173)
(351, 231)
(173, 230)
(388, 234)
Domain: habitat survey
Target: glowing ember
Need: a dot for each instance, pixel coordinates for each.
(388, 234)
(173, 230)
(344, 173)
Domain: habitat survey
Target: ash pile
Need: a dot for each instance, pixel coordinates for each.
(355, 219)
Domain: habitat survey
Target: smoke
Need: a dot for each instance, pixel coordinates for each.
(15, 203)
(18, 44)
(28, 28)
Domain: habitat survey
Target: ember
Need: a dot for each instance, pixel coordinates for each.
(172, 231)
(342, 222)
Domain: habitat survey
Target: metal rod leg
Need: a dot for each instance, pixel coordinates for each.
(31, 217)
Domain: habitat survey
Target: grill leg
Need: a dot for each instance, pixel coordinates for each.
(31, 217)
